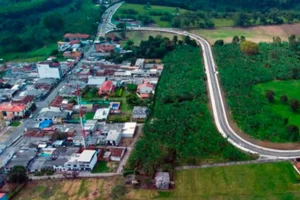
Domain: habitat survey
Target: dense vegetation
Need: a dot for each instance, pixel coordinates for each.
(180, 129)
(27, 25)
(240, 73)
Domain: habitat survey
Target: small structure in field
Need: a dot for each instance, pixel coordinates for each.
(162, 180)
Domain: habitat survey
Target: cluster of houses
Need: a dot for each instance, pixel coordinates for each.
(64, 134)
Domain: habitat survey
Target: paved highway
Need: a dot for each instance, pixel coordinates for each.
(218, 105)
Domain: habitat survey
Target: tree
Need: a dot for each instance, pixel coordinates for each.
(294, 104)
(176, 22)
(121, 26)
(53, 22)
(219, 43)
(17, 175)
(293, 43)
(277, 40)
(249, 48)
(270, 96)
(235, 40)
(293, 131)
(284, 99)
(118, 192)
(240, 19)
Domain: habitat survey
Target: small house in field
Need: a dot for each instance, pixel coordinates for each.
(144, 90)
(162, 180)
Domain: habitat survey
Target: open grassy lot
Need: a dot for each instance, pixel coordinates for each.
(289, 88)
(100, 167)
(15, 124)
(254, 181)
(141, 10)
(92, 189)
(255, 33)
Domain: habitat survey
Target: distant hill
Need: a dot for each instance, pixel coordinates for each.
(225, 5)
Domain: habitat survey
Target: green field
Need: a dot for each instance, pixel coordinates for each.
(253, 181)
(101, 167)
(289, 88)
(143, 11)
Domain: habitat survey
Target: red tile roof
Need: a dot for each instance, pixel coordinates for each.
(144, 85)
(74, 42)
(8, 107)
(69, 54)
(25, 100)
(104, 47)
(57, 102)
(117, 152)
(107, 86)
(76, 35)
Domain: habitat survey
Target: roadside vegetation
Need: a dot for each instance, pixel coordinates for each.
(180, 130)
(255, 108)
(31, 32)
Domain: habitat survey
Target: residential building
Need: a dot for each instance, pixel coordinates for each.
(106, 88)
(76, 36)
(83, 161)
(139, 113)
(49, 69)
(96, 81)
(101, 114)
(16, 108)
(140, 62)
(55, 116)
(128, 129)
(113, 138)
(22, 158)
(73, 55)
(104, 48)
(144, 90)
(117, 153)
(62, 104)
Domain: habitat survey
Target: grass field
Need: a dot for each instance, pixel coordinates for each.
(100, 167)
(289, 88)
(142, 11)
(15, 124)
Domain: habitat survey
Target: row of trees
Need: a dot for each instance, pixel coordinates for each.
(239, 72)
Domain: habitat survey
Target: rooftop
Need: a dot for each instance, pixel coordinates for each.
(86, 155)
(76, 35)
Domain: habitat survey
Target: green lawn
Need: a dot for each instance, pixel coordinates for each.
(15, 124)
(253, 181)
(89, 115)
(101, 167)
(142, 11)
(222, 22)
(289, 88)
(125, 107)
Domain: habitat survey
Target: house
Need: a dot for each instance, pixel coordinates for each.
(104, 48)
(49, 69)
(139, 113)
(22, 158)
(128, 129)
(76, 55)
(62, 104)
(113, 138)
(162, 180)
(55, 116)
(90, 125)
(106, 88)
(117, 153)
(76, 36)
(101, 114)
(140, 62)
(144, 90)
(83, 161)
(16, 108)
(96, 81)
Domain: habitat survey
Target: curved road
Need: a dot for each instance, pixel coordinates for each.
(218, 105)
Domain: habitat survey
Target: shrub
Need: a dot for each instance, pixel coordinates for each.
(249, 48)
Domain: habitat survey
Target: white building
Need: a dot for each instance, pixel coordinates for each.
(101, 114)
(84, 161)
(49, 70)
(128, 129)
(113, 138)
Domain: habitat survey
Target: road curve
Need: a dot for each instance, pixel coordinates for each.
(219, 111)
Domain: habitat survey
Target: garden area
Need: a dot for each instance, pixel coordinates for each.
(15, 123)
(180, 130)
(246, 80)
(101, 167)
